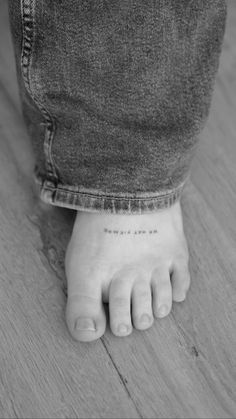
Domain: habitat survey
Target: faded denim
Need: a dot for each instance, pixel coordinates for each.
(114, 95)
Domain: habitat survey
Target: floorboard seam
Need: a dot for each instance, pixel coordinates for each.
(122, 379)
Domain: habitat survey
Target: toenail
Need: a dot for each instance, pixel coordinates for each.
(162, 311)
(145, 319)
(85, 324)
(123, 329)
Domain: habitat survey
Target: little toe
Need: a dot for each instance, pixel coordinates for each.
(142, 305)
(119, 307)
(180, 279)
(85, 316)
(162, 292)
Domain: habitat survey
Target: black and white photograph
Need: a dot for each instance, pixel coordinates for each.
(117, 209)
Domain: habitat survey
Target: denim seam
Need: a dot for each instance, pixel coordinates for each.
(70, 197)
(27, 13)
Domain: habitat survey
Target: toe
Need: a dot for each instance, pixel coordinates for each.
(180, 279)
(119, 306)
(85, 313)
(162, 292)
(142, 305)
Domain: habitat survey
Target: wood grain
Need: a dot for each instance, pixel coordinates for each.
(183, 367)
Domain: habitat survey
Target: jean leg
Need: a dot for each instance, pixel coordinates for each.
(114, 96)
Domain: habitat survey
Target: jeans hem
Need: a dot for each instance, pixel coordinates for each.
(81, 199)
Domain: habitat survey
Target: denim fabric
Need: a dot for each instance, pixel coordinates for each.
(114, 95)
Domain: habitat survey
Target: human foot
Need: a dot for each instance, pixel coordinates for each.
(136, 263)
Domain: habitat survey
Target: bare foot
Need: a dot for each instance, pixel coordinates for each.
(136, 263)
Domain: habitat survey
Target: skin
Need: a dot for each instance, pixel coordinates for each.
(136, 263)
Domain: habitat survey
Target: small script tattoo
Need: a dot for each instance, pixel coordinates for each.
(129, 232)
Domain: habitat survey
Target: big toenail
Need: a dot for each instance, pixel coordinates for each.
(145, 319)
(123, 329)
(162, 311)
(84, 323)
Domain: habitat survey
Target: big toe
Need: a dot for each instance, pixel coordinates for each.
(85, 317)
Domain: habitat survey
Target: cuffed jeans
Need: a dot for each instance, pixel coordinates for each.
(114, 95)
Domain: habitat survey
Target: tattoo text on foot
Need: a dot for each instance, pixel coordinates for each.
(136, 232)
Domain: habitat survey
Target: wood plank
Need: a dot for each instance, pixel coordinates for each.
(217, 151)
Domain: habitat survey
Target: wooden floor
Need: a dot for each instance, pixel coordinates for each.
(185, 366)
